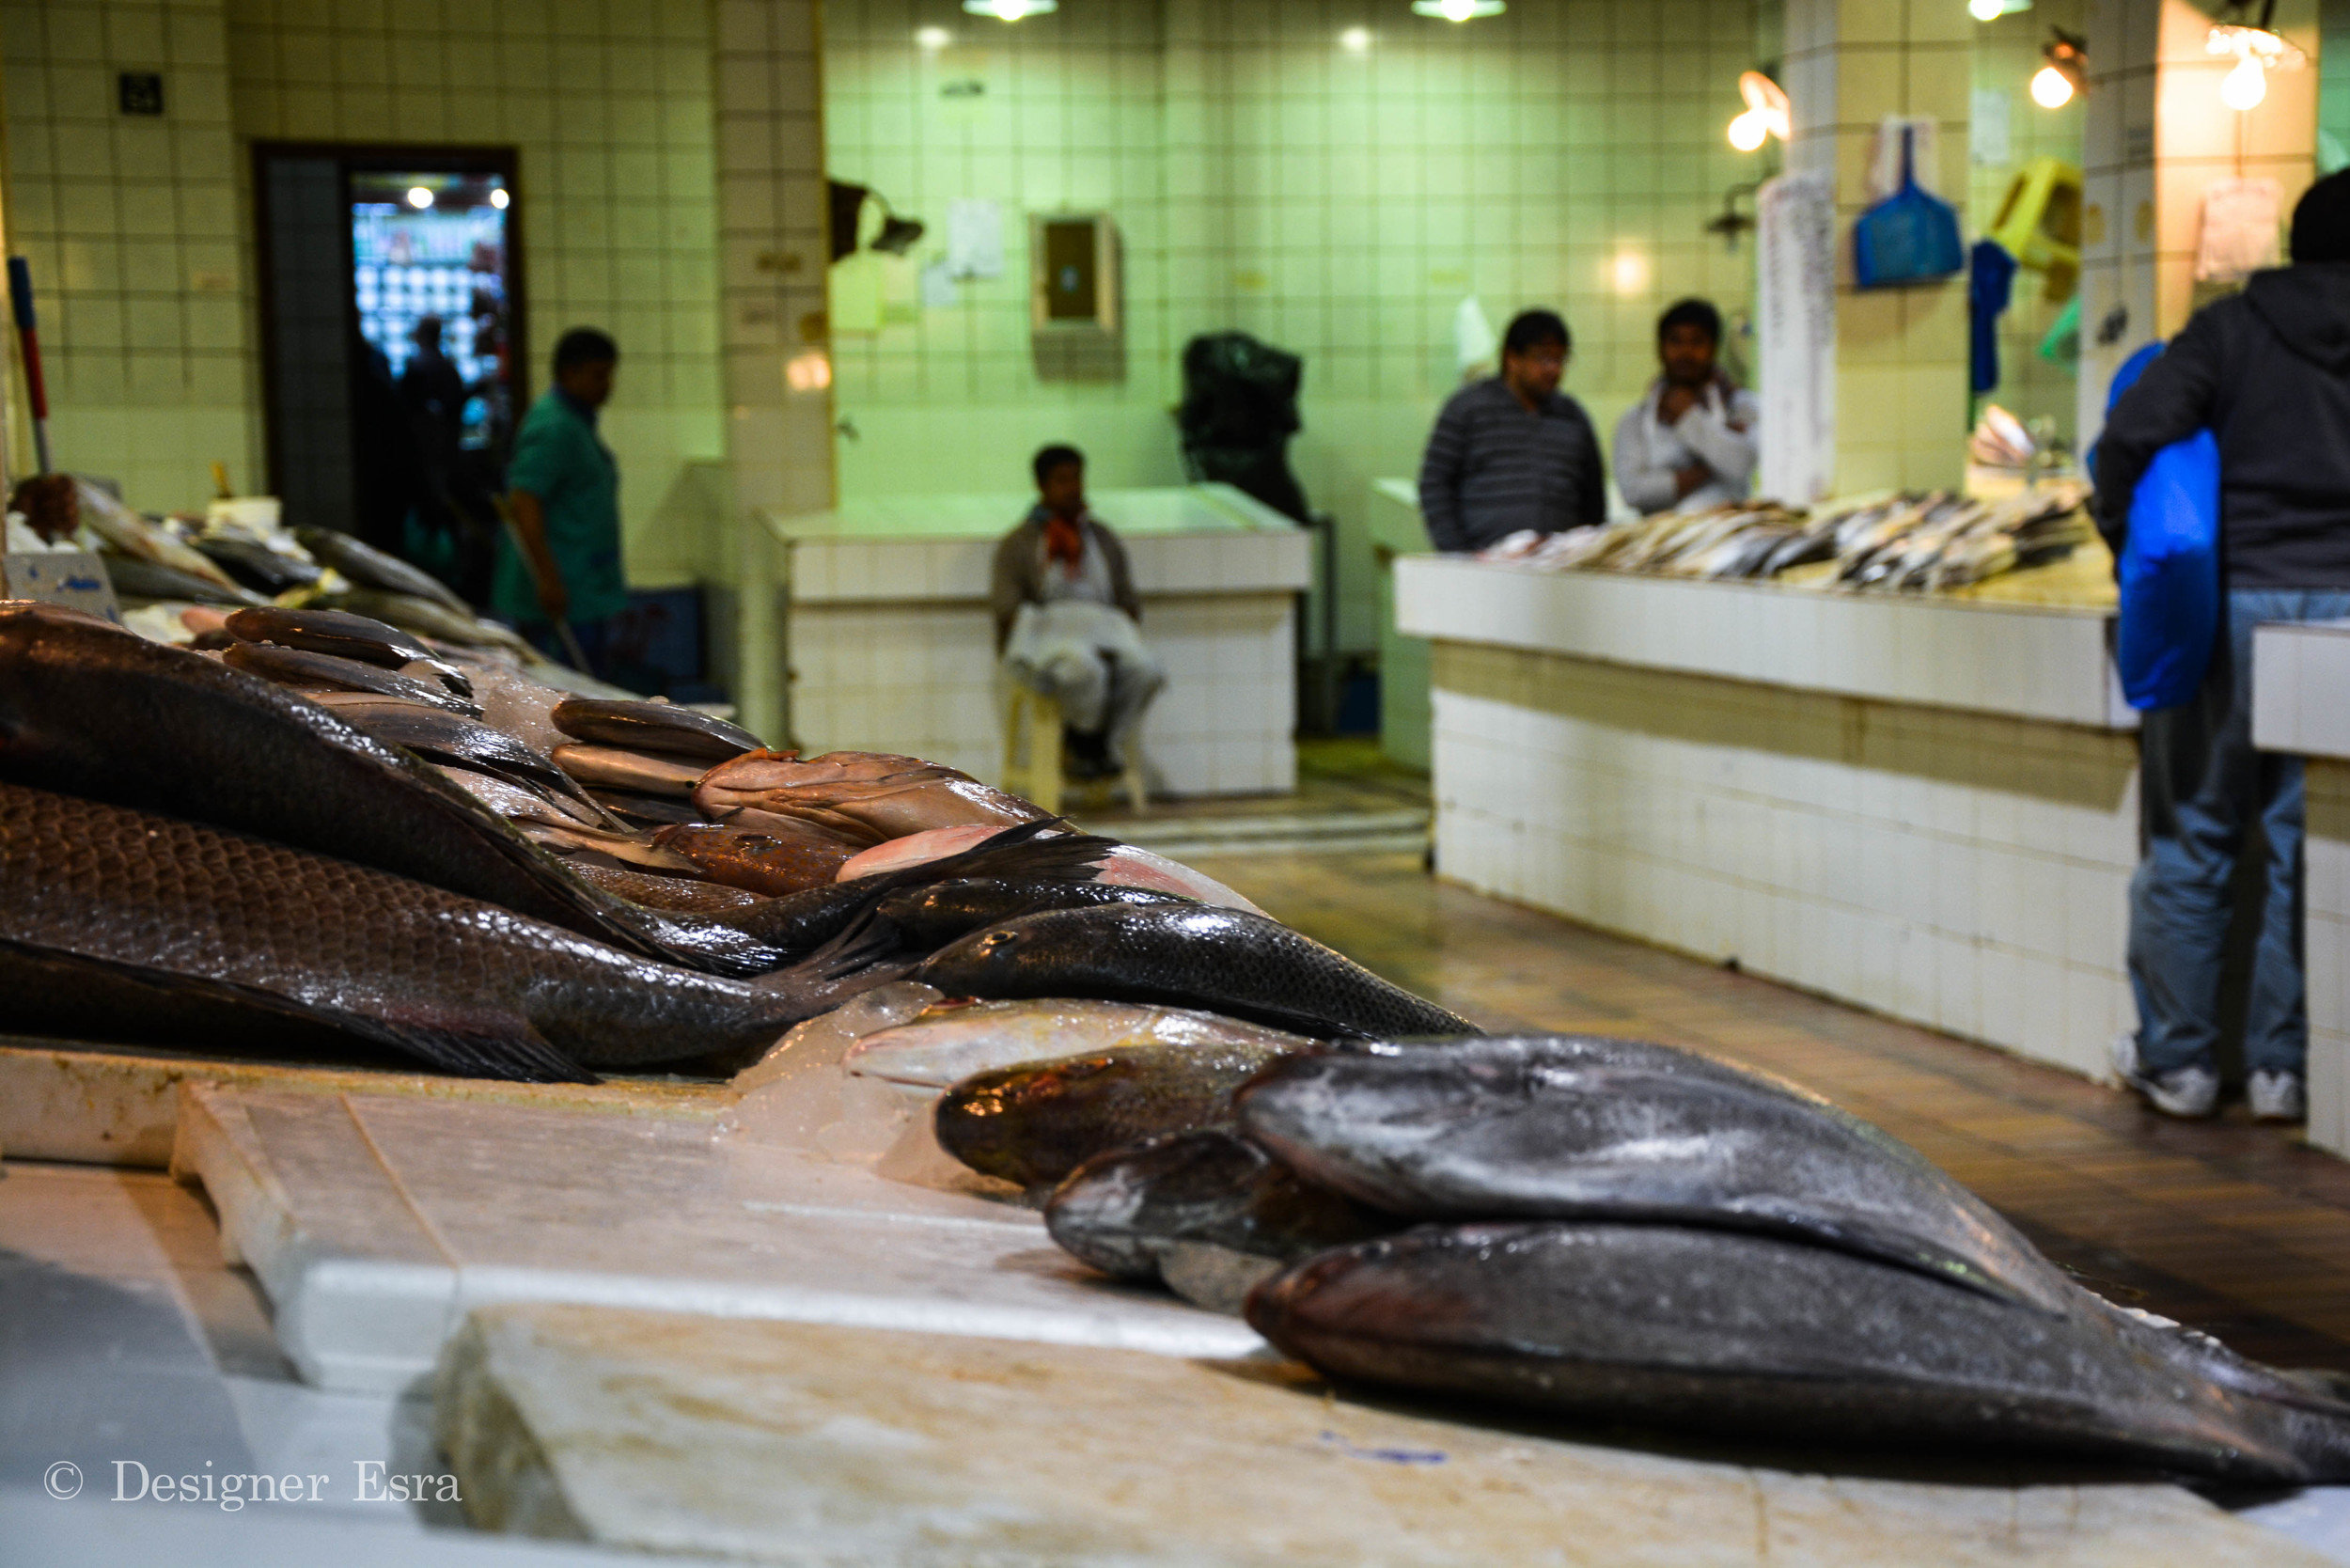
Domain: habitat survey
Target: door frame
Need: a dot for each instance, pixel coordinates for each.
(505, 161)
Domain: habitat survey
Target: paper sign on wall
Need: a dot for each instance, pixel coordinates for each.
(975, 237)
(1989, 143)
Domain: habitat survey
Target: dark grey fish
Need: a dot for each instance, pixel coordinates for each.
(663, 727)
(88, 709)
(1767, 1337)
(934, 915)
(120, 921)
(1208, 1214)
(646, 811)
(136, 579)
(431, 618)
(618, 768)
(1579, 1127)
(346, 636)
(304, 670)
(364, 564)
(257, 566)
(441, 736)
(1034, 1123)
(685, 895)
(1223, 961)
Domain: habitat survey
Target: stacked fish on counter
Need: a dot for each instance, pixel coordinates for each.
(330, 834)
(1608, 1230)
(1923, 542)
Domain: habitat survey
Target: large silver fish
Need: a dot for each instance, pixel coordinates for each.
(116, 923)
(952, 1041)
(1570, 1127)
(1773, 1339)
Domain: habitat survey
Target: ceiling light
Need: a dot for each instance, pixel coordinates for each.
(418, 197)
(1991, 10)
(1010, 10)
(1767, 112)
(498, 199)
(1356, 40)
(933, 38)
(1458, 10)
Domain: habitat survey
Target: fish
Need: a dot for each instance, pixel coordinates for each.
(306, 671)
(364, 564)
(663, 727)
(1123, 864)
(88, 709)
(932, 915)
(767, 864)
(119, 920)
(682, 894)
(430, 616)
(347, 636)
(889, 796)
(954, 1041)
(613, 768)
(1208, 1214)
(135, 578)
(620, 847)
(1223, 961)
(645, 810)
(1585, 1127)
(1770, 1338)
(440, 736)
(1034, 1123)
(514, 702)
(126, 533)
(256, 565)
(514, 803)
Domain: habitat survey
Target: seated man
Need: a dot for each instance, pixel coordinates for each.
(1690, 442)
(1065, 618)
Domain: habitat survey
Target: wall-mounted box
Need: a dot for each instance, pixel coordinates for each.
(1075, 322)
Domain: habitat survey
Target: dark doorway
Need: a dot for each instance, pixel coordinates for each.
(369, 430)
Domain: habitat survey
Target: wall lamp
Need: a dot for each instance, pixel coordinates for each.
(2066, 73)
(2257, 51)
(1766, 115)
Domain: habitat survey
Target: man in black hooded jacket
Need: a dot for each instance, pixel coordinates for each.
(2267, 371)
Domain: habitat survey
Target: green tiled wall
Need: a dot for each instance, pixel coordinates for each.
(1337, 202)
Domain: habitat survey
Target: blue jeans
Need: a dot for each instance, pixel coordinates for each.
(2201, 788)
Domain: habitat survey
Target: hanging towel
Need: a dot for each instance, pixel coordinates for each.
(1990, 276)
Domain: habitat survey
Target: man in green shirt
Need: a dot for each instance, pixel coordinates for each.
(564, 491)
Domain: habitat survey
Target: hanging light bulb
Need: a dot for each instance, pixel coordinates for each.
(1748, 131)
(2049, 90)
(1766, 116)
(2246, 86)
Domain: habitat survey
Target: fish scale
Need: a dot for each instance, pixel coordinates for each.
(113, 913)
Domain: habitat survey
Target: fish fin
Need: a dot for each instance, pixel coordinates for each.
(519, 1055)
(1018, 849)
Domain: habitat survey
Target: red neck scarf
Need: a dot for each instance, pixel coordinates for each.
(1064, 541)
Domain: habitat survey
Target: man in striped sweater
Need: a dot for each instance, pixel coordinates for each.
(1515, 452)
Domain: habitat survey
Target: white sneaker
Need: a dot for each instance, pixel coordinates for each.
(2190, 1092)
(2278, 1095)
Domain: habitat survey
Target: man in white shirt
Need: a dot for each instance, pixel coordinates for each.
(1690, 442)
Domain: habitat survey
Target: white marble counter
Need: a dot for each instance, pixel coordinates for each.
(887, 643)
(1926, 808)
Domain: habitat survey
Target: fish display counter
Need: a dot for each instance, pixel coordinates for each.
(1925, 805)
(883, 634)
(2300, 673)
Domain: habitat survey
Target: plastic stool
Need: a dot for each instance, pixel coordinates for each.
(1033, 765)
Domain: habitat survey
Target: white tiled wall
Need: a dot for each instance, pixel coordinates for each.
(1963, 871)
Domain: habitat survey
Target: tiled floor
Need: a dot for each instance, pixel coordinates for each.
(2236, 1229)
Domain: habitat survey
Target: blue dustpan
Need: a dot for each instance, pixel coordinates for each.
(1908, 237)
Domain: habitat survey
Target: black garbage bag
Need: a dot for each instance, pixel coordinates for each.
(1240, 409)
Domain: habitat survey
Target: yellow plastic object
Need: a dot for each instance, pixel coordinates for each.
(2040, 224)
(1032, 753)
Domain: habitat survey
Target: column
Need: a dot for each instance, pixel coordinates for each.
(772, 327)
(1901, 352)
